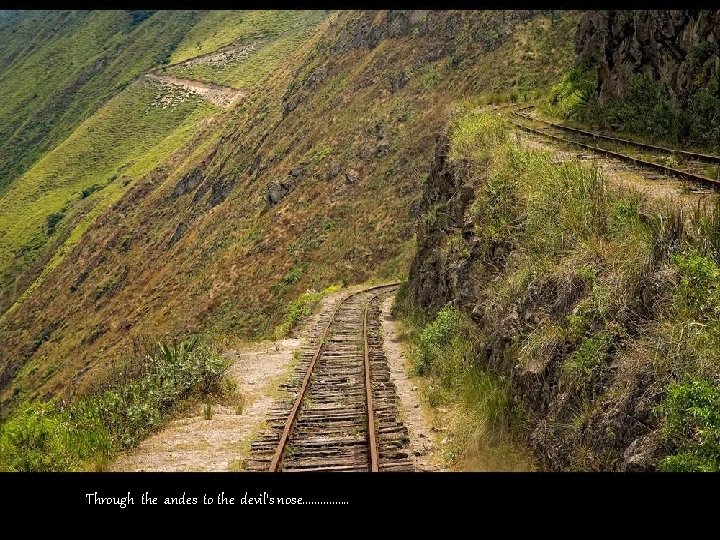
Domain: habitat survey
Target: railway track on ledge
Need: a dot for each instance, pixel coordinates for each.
(343, 412)
(692, 166)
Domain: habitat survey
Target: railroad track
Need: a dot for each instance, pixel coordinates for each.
(342, 414)
(692, 163)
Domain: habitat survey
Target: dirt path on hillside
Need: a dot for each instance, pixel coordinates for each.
(223, 96)
(422, 440)
(623, 175)
(192, 443)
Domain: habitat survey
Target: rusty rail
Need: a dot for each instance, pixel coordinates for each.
(372, 440)
(706, 158)
(685, 175)
(277, 457)
(385, 436)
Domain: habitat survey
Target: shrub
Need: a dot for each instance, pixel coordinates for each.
(35, 439)
(692, 412)
(698, 293)
(84, 434)
(583, 365)
(646, 109)
(52, 221)
(573, 93)
(299, 308)
(446, 350)
(440, 344)
(86, 192)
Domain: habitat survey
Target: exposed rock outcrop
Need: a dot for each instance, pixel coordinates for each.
(452, 266)
(681, 49)
(277, 191)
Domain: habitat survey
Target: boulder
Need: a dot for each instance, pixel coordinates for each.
(276, 192)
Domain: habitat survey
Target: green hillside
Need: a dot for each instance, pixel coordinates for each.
(71, 144)
(126, 138)
(57, 68)
(274, 36)
(134, 217)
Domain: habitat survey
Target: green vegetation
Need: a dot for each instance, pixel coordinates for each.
(275, 34)
(692, 405)
(473, 135)
(125, 139)
(84, 434)
(572, 94)
(441, 335)
(444, 351)
(219, 29)
(568, 259)
(300, 308)
(693, 425)
(645, 110)
(57, 68)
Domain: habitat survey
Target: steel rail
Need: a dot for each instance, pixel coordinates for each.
(372, 439)
(637, 161)
(276, 461)
(707, 158)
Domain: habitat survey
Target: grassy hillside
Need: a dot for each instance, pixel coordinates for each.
(218, 29)
(586, 312)
(346, 122)
(85, 59)
(274, 37)
(125, 139)
(57, 68)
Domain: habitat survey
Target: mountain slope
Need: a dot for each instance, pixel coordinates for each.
(247, 45)
(57, 68)
(88, 170)
(81, 60)
(311, 180)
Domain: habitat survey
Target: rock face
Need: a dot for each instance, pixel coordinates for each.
(620, 433)
(681, 49)
(436, 278)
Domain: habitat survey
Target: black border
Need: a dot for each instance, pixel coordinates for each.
(418, 496)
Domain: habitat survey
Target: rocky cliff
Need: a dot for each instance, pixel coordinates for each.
(681, 49)
(605, 423)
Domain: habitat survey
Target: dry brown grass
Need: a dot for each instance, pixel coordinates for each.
(225, 274)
